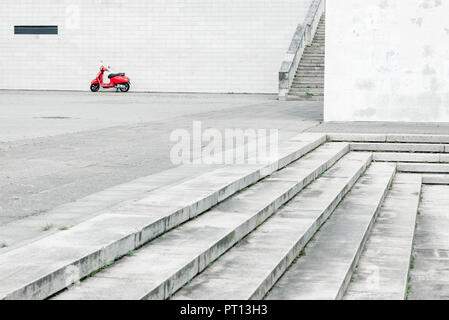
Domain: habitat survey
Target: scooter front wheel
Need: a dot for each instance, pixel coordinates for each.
(94, 87)
(124, 87)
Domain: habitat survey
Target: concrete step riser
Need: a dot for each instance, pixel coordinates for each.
(313, 62)
(311, 65)
(400, 147)
(191, 267)
(309, 90)
(299, 98)
(436, 179)
(299, 87)
(301, 94)
(136, 229)
(389, 138)
(306, 75)
(423, 167)
(306, 92)
(409, 157)
(314, 55)
(312, 69)
(276, 263)
(307, 85)
(308, 80)
(307, 66)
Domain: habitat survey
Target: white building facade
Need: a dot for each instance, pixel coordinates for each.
(387, 60)
(162, 45)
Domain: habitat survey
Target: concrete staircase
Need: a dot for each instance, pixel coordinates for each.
(331, 217)
(308, 84)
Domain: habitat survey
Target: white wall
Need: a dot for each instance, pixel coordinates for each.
(387, 60)
(163, 45)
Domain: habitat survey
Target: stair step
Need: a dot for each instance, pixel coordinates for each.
(325, 269)
(313, 61)
(86, 247)
(307, 92)
(390, 138)
(428, 277)
(29, 229)
(314, 55)
(185, 251)
(304, 98)
(309, 80)
(310, 76)
(320, 64)
(309, 70)
(311, 65)
(301, 87)
(383, 268)
(310, 73)
(269, 250)
(411, 157)
(442, 179)
(423, 167)
(399, 147)
(304, 94)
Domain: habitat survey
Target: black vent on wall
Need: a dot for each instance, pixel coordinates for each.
(35, 29)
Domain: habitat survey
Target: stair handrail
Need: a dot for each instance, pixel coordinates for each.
(303, 37)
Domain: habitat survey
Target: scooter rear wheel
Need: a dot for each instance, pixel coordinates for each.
(94, 87)
(125, 87)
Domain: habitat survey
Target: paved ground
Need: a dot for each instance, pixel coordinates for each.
(56, 147)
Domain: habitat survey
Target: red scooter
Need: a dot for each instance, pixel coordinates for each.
(118, 80)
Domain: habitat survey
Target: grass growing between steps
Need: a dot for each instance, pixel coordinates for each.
(409, 289)
(47, 227)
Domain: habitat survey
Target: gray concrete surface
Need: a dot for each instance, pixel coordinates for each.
(57, 147)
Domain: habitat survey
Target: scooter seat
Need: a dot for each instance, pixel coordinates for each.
(112, 75)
